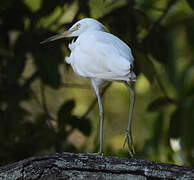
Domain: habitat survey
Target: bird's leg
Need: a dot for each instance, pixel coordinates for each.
(128, 137)
(101, 122)
(97, 90)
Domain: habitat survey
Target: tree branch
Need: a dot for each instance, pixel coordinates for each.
(91, 166)
(155, 24)
(151, 29)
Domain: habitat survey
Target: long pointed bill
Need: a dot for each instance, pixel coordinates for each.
(57, 36)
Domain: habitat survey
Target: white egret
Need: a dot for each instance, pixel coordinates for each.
(100, 56)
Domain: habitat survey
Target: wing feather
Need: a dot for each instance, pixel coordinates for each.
(99, 53)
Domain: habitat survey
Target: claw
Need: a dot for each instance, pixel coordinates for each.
(129, 141)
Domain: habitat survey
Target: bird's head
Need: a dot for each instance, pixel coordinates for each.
(86, 24)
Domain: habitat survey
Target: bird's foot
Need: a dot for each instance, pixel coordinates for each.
(128, 139)
(100, 153)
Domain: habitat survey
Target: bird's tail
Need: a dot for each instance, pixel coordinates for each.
(68, 60)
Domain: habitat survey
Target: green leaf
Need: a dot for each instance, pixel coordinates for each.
(156, 44)
(19, 10)
(175, 124)
(47, 57)
(190, 29)
(145, 65)
(182, 123)
(141, 18)
(187, 123)
(170, 64)
(64, 114)
(158, 129)
(160, 44)
(145, 5)
(16, 65)
(48, 68)
(191, 3)
(47, 7)
(83, 125)
(37, 131)
(65, 117)
(160, 103)
(15, 68)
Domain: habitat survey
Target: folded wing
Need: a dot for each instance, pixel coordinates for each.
(102, 55)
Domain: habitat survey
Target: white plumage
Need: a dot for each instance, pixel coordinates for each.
(97, 54)
(100, 56)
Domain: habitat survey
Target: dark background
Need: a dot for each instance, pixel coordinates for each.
(45, 107)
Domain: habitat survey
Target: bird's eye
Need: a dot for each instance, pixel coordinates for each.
(77, 26)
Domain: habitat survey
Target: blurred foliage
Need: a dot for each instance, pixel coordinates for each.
(38, 115)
